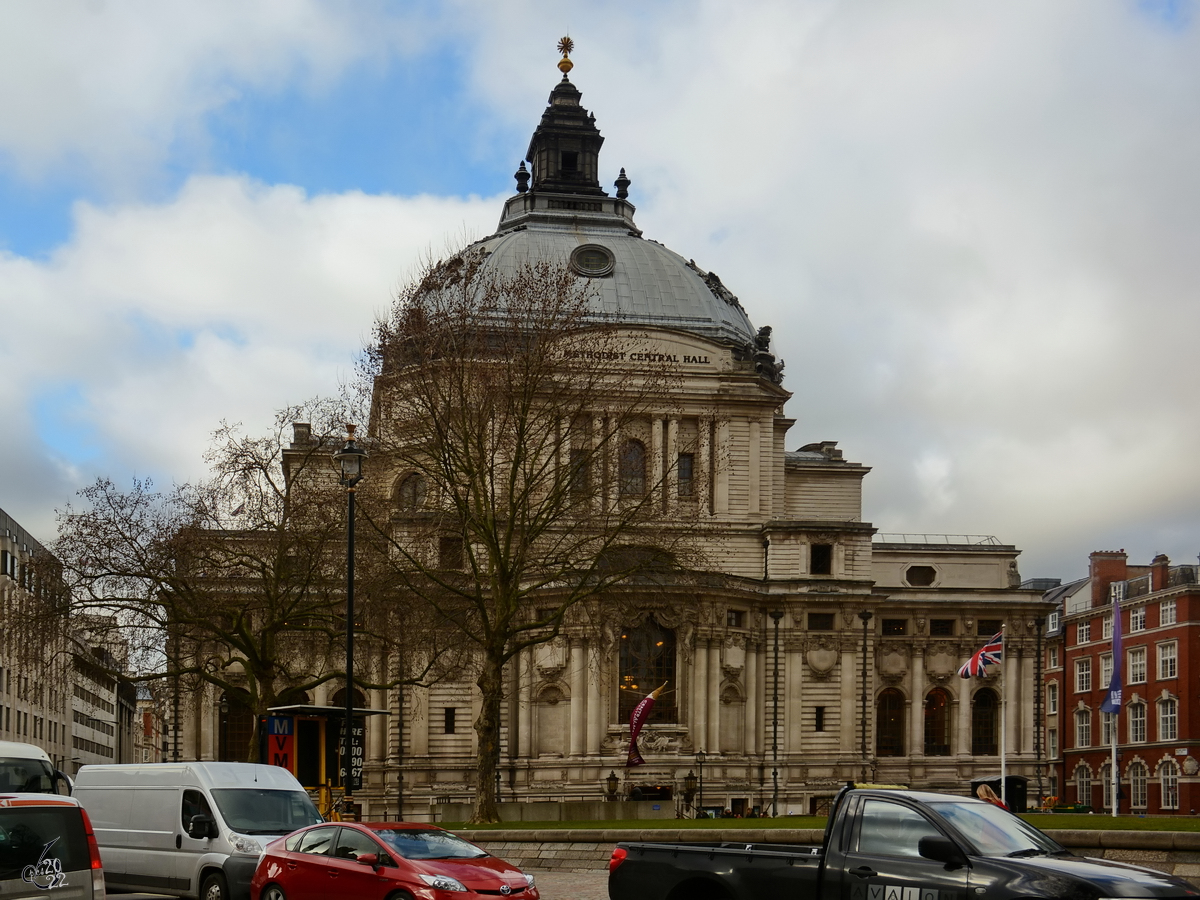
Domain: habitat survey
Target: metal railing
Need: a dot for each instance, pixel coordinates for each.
(948, 539)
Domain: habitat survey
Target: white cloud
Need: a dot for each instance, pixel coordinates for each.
(228, 302)
(110, 88)
(972, 226)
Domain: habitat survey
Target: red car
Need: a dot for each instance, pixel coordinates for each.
(383, 861)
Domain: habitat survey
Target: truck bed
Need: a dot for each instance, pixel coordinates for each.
(706, 871)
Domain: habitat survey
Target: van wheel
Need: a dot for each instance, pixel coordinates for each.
(273, 892)
(214, 887)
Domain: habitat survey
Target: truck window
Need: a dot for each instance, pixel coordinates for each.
(889, 829)
(194, 804)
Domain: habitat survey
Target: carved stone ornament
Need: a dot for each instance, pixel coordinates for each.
(892, 677)
(893, 661)
(821, 662)
(1191, 766)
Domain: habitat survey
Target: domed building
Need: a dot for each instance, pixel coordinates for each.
(768, 704)
(818, 651)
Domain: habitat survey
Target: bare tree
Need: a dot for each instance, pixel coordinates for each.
(510, 427)
(236, 581)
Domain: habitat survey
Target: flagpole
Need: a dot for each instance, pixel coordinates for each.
(1116, 775)
(1003, 734)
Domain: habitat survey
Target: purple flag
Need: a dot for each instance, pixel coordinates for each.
(1112, 699)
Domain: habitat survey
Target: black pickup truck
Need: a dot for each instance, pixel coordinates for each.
(883, 844)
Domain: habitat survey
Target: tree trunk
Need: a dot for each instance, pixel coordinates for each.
(487, 728)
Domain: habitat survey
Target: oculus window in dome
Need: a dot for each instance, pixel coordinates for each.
(592, 261)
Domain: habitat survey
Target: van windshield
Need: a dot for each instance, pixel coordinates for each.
(33, 776)
(259, 811)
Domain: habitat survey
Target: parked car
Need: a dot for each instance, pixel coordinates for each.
(47, 849)
(888, 844)
(193, 829)
(383, 861)
(25, 768)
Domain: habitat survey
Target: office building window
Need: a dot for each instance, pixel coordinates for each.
(1137, 723)
(1167, 660)
(1052, 699)
(1083, 675)
(1083, 728)
(1168, 720)
(1083, 632)
(1137, 665)
(1139, 776)
(1168, 772)
(1083, 786)
(1137, 619)
(1166, 612)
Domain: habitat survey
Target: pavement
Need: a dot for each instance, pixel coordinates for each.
(551, 885)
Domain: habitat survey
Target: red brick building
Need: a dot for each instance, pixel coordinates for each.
(1158, 727)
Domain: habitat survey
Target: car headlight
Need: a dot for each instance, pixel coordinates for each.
(528, 879)
(443, 882)
(246, 845)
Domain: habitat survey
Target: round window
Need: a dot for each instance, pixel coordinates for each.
(592, 260)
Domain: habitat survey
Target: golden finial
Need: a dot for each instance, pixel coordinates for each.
(565, 46)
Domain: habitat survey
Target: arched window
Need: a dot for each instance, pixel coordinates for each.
(1139, 776)
(889, 724)
(1168, 773)
(937, 723)
(984, 708)
(1083, 786)
(632, 469)
(235, 728)
(647, 661)
(410, 492)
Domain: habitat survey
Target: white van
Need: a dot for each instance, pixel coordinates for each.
(25, 768)
(193, 829)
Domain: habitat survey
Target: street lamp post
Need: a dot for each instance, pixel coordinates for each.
(776, 615)
(700, 805)
(350, 458)
(865, 615)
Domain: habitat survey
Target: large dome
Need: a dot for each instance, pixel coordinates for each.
(566, 217)
(646, 284)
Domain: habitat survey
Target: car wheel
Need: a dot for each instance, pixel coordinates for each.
(400, 895)
(273, 892)
(214, 887)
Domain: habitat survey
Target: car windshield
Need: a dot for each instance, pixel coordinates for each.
(412, 844)
(996, 832)
(260, 811)
(34, 776)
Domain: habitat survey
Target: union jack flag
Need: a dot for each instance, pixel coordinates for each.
(991, 653)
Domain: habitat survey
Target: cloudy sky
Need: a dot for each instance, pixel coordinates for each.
(974, 226)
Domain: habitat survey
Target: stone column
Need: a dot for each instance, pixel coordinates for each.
(1028, 689)
(791, 690)
(713, 696)
(720, 454)
(208, 749)
(672, 459)
(754, 472)
(916, 693)
(1012, 702)
(658, 463)
(962, 742)
(848, 682)
(752, 700)
(418, 726)
(700, 695)
(594, 668)
(706, 484)
(525, 704)
(578, 676)
(377, 728)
